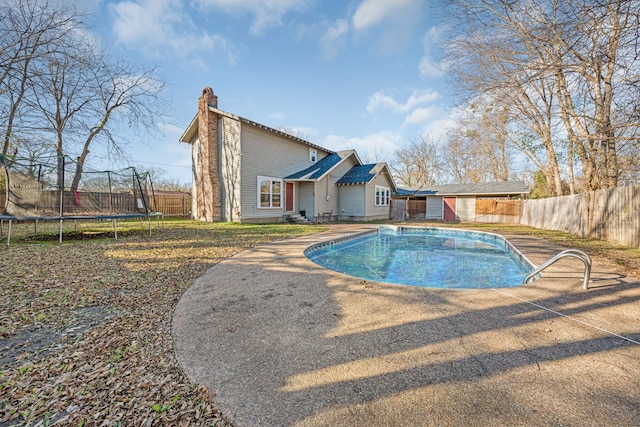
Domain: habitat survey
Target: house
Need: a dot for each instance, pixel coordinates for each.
(244, 171)
(460, 202)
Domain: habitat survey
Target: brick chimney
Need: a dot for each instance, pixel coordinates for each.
(208, 188)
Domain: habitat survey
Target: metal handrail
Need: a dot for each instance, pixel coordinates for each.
(576, 253)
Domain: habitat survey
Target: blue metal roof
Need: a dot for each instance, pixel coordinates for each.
(358, 175)
(406, 192)
(318, 169)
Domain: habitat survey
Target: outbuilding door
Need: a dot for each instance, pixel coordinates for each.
(449, 208)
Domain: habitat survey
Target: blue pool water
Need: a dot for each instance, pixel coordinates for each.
(427, 257)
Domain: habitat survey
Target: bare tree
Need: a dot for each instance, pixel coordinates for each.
(30, 32)
(293, 132)
(477, 148)
(56, 84)
(419, 163)
(493, 58)
(60, 92)
(161, 180)
(594, 69)
(563, 69)
(125, 95)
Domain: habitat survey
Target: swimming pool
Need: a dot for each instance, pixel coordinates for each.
(425, 256)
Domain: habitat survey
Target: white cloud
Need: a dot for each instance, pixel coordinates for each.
(170, 130)
(332, 37)
(377, 147)
(427, 66)
(380, 101)
(162, 27)
(266, 13)
(394, 21)
(373, 12)
(421, 115)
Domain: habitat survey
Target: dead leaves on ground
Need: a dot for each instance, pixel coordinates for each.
(109, 306)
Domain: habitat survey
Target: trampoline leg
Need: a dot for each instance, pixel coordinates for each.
(60, 238)
(115, 230)
(9, 234)
(149, 223)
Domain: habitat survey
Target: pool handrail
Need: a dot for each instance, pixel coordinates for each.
(576, 253)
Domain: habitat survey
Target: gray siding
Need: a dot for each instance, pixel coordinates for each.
(229, 152)
(305, 198)
(270, 155)
(434, 207)
(351, 202)
(371, 210)
(326, 188)
(357, 202)
(466, 208)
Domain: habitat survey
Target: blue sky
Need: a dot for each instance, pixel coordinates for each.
(347, 74)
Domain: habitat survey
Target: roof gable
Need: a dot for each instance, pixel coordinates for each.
(323, 166)
(363, 174)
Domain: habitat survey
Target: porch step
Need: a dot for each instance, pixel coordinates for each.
(298, 219)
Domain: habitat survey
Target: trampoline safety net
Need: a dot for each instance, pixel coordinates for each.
(34, 188)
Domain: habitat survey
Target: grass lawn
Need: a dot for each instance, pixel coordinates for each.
(85, 327)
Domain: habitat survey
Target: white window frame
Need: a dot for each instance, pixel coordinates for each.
(313, 155)
(272, 181)
(381, 196)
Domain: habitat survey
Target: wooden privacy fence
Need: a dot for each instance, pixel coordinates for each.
(498, 210)
(416, 209)
(174, 205)
(178, 205)
(612, 215)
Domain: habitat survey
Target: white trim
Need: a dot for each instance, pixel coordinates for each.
(271, 180)
(381, 196)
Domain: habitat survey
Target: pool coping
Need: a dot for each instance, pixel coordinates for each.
(282, 341)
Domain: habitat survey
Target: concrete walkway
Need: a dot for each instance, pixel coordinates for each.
(284, 342)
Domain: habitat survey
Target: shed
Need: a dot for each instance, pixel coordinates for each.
(457, 202)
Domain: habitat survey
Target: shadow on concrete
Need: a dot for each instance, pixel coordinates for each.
(284, 342)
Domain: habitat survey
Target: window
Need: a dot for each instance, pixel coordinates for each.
(313, 155)
(269, 192)
(382, 195)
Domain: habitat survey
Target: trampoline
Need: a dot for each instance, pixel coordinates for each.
(52, 189)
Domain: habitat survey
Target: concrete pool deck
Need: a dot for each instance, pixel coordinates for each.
(284, 342)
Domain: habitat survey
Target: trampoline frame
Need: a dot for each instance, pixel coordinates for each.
(61, 219)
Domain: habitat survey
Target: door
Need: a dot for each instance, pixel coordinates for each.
(288, 194)
(449, 207)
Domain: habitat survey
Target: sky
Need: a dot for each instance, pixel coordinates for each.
(360, 74)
